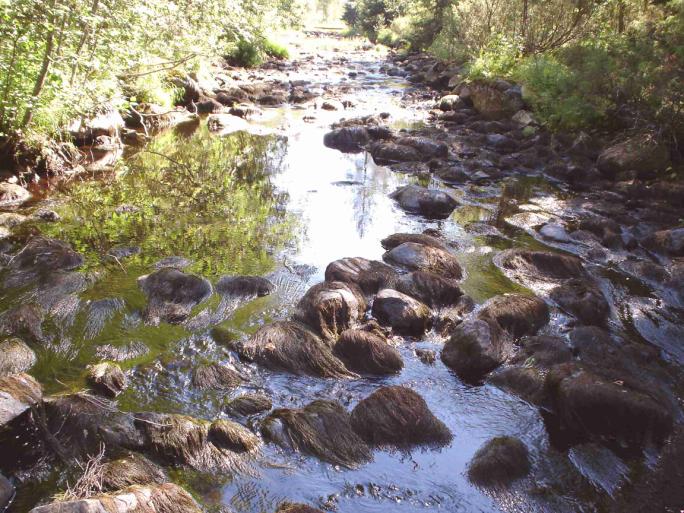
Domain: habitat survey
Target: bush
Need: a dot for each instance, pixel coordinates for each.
(275, 50)
(246, 54)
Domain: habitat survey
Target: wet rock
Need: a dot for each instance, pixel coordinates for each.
(517, 314)
(292, 347)
(642, 154)
(106, 378)
(232, 436)
(174, 262)
(249, 404)
(554, 232)
(475, 349)
(528, 265)
(132, 469)
(12, 194)
(164, 498)
(82, 422)
(453, 175)
(41, 257)
(215, 376)
(322, 428)
(18, 394)
(385, 153)
(589, 405)
(418, 257)
(399, 416)
(607, 230)
(369, 275)
(524, 382)
(367, 352)
(426, 147)
(348, 139)
(396, 239)
(331, 104)
(244, 286)
(427, 356)
(208, 105)
(499, 462)
(450, 102)
(130, 351)
(670, 242)
(420, 169)
(15, 357)
(431, 203)
(226, 123)
(403, 313)
(493, 103)
(583, 300)
(6, 492)
(331, 307)
(172, 294)
(542, 351)
(429, 288)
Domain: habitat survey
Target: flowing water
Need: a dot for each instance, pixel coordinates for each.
(274, 201)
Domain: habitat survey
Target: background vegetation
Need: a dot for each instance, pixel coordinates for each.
(582, 63)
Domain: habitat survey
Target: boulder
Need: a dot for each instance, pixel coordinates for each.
(12, 194)
(244, 286)
(450, 102)
(418, 257)
(131, 469)
(396, 239)
(427, 148)
(215, 376)
(404, 314)
(249, 404)
(292, 347)
(18, 394)
(367, 352)
(348, 139)
(322, 428)
(397, 415)
(475, 349)
(583, 300)
(164, 498)
(106, 378)
(525, 382)
(15, 357)
(453, 175)
(542, 351)
(6, 492)
(499, 462)
(385, 153)
(429, 288)
(232, 436)
(591, 406)
(642, 154)
(670, 242)
(331, 307)
(492, 103)
(172, 294)
(368, 275)
(430, 203)
(526, 265)
(517, 314)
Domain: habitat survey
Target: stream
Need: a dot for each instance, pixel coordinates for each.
(272, 200)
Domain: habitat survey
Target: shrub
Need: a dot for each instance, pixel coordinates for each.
(275, 50)
(246, 54)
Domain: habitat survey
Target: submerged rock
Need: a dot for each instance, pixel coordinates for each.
(397, 239)
(403, 313)
(369, 275)
(215, 376)
(172, 294)
(322, 429)
(591, 406)
(429, 288)
(583, 300)
(397, 415)
(367, 352)
(292, 347)
(528, 265)
(542, 351)
(517, 314)
(499, 462)
(18, 394)
(106, 378)
(293, 507)
(132, 469)
(476, 348)
(15, 357)
(164, 498)
(249, 404)
(331, 307)
(418, 257)
(244, 286)
(522, 381)
(40, 258)
(431, 203)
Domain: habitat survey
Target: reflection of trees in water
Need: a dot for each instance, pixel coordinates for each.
(206, 198)
(363, 198)
(512, 194)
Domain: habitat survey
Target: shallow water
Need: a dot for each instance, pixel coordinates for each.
(276, 202)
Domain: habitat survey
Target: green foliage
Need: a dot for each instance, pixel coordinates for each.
(370, 17)
(276, 50)
(496, 60)
(246, 54)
